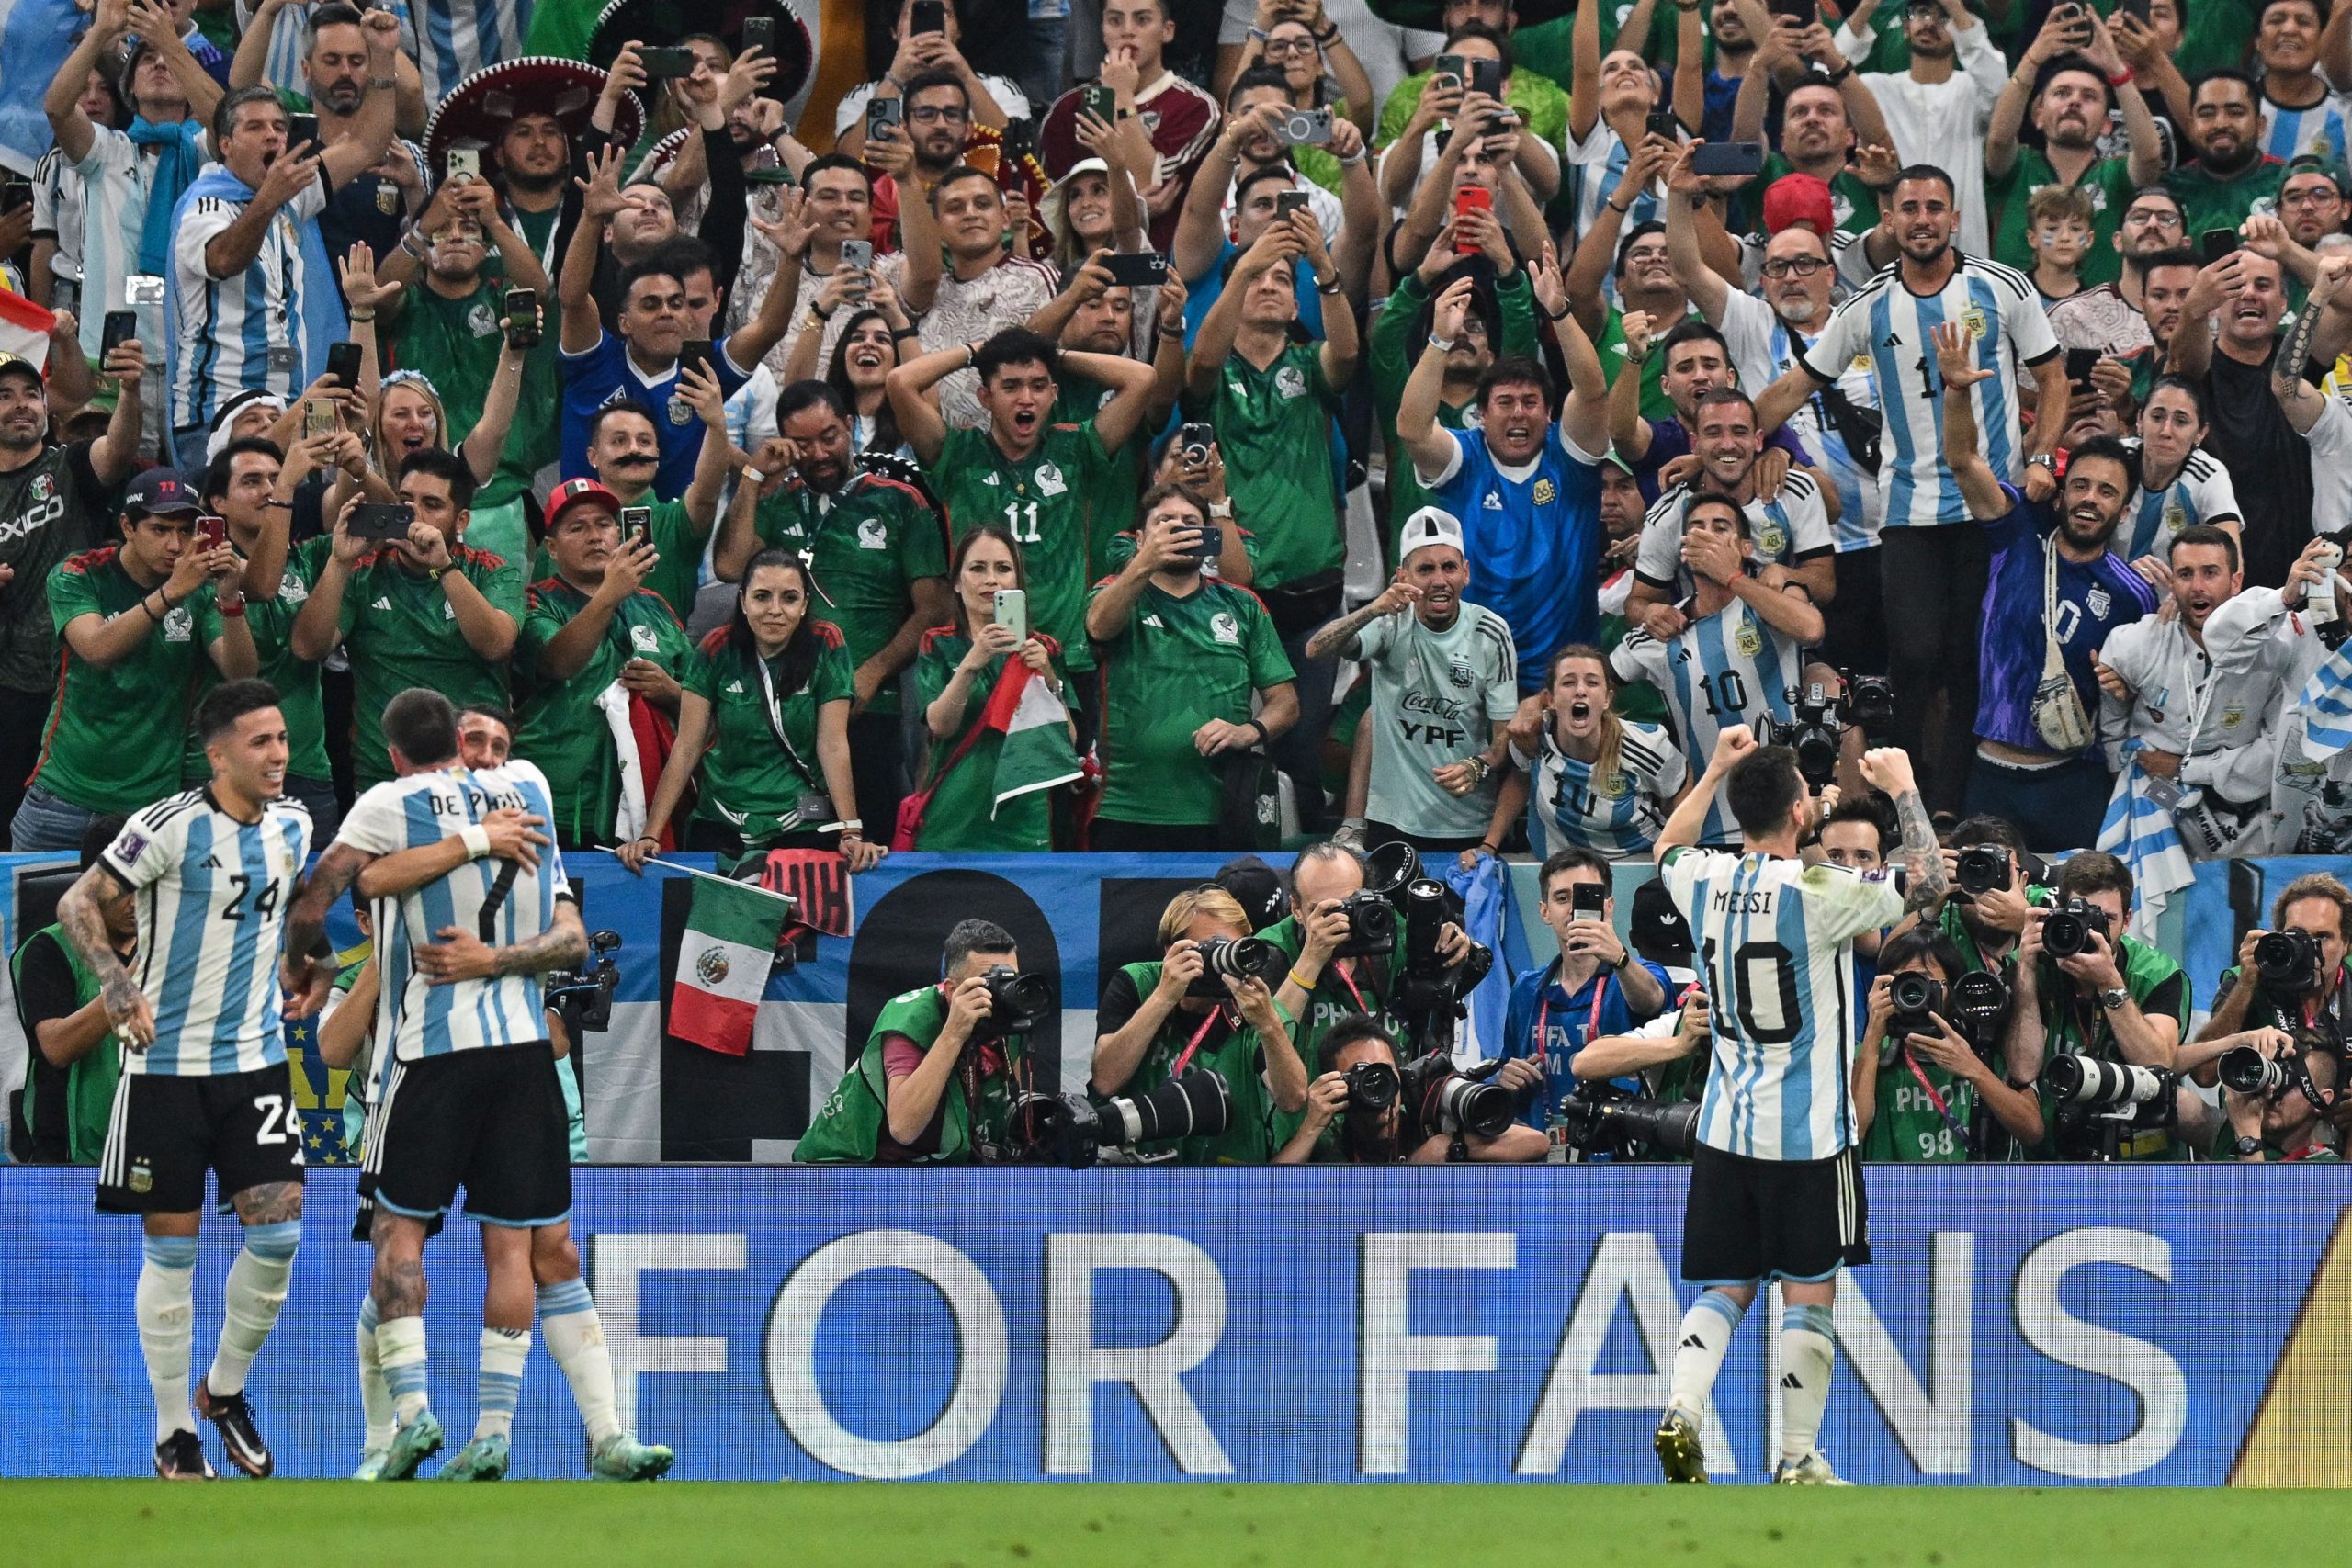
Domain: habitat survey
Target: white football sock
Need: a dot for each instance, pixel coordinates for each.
(1698, 1353)
(165, 1302)
(1807, 1357)
(375, 1399)
(503, 1352)
(400, 1348)
(575, 1338)
(254, 1294)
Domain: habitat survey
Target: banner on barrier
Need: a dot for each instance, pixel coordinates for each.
(1298, 1326)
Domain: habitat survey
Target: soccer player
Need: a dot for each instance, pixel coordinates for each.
(204, 1082)
(1776, 1181)
(470, 1095)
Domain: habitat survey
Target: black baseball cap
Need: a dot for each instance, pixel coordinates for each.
(160, 493)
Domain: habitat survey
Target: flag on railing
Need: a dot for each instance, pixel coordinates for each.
(2139, 831)
(24, 326)
(723, 963)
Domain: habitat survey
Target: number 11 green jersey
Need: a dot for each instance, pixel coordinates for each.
(1046, 501)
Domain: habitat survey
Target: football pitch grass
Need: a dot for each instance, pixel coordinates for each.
(96, 1523)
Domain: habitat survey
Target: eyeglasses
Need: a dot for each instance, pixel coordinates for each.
(2310, 196)
(1793, 266)
(936, 114)
(2162, 217)
(1290, 46)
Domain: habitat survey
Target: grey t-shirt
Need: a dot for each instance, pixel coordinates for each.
(1432, 694)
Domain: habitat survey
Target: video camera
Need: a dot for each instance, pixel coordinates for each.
(2101, 1101)
(1018, 1003)
(1816, 725)
(583, 997)
(1068, 1128)
(2067, 930)
(1597, 1117)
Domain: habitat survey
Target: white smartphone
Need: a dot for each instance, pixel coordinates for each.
(1012, 610)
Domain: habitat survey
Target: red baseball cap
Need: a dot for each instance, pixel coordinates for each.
(1799, 198)
(571, 492)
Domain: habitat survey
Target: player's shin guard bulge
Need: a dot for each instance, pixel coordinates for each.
(254, 1294)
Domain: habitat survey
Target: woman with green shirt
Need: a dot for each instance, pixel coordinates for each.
(764, 720)
(955, 671)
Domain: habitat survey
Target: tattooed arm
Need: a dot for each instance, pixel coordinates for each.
(79, 912)
(1338, 640)
(2298, 398)
(462, 955)
(306, 922)
(1925, 880)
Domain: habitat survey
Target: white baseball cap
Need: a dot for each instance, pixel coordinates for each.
(1430, 525)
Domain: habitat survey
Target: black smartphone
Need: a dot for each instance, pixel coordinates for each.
(302, 128)
(1742, 158)
(884, 114)
(1587, 899)
(14, 194)
(2078, 365)
(1099, 102)
(1289, 201)
(121, 328)
(2217, 245)
(1802, 12)
(759, 32)
(1456, 66)
(636, 523)
(2135, 9)
(343, 364)
(1487, 76)
(1140, 269)
(1019, 140)
(1661, 122)
(662, 64)
(927, 17)
(695, 351)
(1194, 440)
(375, 521)
(522, 318)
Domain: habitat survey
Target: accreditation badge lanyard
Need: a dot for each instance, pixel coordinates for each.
(1942, 1110)
(1543, 1017)
(1198, 1036)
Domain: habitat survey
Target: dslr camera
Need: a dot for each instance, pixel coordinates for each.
(1440, 1099)
(2068, 928)
(1819, 716)
(1598, 1118)
(1974, 1005)
(583, 997)
(1239, 957)
(2100, 1102)
(1068, 1128)
(1018, 1003)
(1983, 868)
(1372, 925)
(1372, 1086)
(2286, 962)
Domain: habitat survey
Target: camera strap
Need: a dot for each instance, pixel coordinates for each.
(1942, 1110)
(1185, 1059)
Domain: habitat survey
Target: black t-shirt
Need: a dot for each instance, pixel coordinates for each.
(51, 508)
(2270, 462)
(46, 990)
(1120, 1001)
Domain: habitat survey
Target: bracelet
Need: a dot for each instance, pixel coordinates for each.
(356, 316)
(752, 474)
(1559, 315)
(384, 84)
(971, 354)
(1838, 77)
(901, 334)
(1326, 37)
(1332, 288)
(1258, 724)
(1301, 981)
(1221, 510)
(1620, 211)
(647, 839)
(1443, 345)
(476, 840)
(1491, 848)
(852, 825)
(820, 315)
(2125, 80)
(235, 611)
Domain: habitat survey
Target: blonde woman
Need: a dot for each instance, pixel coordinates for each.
(1594, 780)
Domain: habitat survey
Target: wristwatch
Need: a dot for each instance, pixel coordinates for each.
(2113, 999)
(2044, 460)
(2247, 1147)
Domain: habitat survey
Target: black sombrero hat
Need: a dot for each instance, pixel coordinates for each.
(660, 23)
(1430, 15)
(478, 109)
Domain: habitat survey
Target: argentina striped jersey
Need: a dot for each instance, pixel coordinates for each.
(1788, 530)
(1619, 816)
(1720, 670)
(212, 894)
(225, 329)
(500, 902)
(2200, 492)
(1891, 326)
(1776, 954)
(1762, 347)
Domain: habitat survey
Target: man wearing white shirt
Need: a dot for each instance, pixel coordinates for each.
(1937, 110)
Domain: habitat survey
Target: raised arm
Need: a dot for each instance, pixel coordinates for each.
(1584, 77)
(1689, 813)
(2300, 400)
(918, 416)
(575, 288)
(1132, 383)
(1889, 768)
(1957, 370)
(1431, 448)
(1706, 288)
(1584, 412)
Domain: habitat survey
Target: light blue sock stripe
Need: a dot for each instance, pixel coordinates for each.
(501, 1391)
(368, 1314)
(277, 1243)
(1813, 1319)
(556, 1301)
(404, 1377)
(1723, 1305)
(170, 1251)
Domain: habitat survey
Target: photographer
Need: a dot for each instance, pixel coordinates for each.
(2286, 1122)
(1932, 1080)
(1340, 1126)
(1592, 988)
(1984, 926)
(935, 1080)
(1160, 1019)
(2303, 985)
(2117, 999)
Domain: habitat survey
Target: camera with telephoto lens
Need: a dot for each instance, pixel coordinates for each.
(1372, 925)
(1068, 1128)
(1982, 868)
(2286, 962)
(1372, 1086)
(1869, 702)
(1597, 1117)
(2249, 1072)
(1240, 957)
(1812, 731)
(2067, 930)
(1431, 996)
(2088, 1085)
(1018, 1003)
(1390, 869)
(1439, 1098)
(583, 997)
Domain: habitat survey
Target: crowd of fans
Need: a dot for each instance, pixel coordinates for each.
(1393, 435)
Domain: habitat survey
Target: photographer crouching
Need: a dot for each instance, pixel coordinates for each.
(2099, 1013)
(935, 1082)
(1366, 1110)
(2277, 1086)
(1925, 1082)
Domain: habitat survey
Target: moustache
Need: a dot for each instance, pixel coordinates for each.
(634, 460)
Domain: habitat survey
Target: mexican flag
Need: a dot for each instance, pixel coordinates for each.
(723, 962)
(1036, 752)
(24, 328)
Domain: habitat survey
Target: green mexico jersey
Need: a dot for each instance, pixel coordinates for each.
(1536, 96)
(2108, 183)
(297, 680)
(457, 344)
(2161, 991)
(963, 814)
(847, 1128)
(1046, 499)
(2208, 203)
(1655, 404)
(867, 545)
(1908, 1127)
(1367, 988)
(751, 782)
(1231, 1053)
(676, 540)
(563, 724)
(1273, 429)
(89, 1081)
(1077, 401)
(1175, 665)
(115, 734)
(400, 630)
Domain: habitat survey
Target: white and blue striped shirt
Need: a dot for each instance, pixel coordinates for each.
(1619, 816)
(2200, 492)
(1891, 326)
(500, 902)
(2291, 133)
(1762, 347)
(1729, 668)
(212, 895)
(227, 328)
(1775, 940)
(1788, 530)
(115, 176)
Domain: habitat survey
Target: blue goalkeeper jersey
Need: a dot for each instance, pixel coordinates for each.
(2092, 600)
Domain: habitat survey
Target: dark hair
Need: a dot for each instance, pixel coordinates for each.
(2206, 534)
(1986, 828)
(1575, 857)
(2262, 8)
(224, 113)
(2147, 262)
(1725, 395)
(1256, 177)
(2106, 448)
(1624, 245)
(620, 405)
(1352, 1029)
(966, 938)
(1002, 535)
(1173, 491)
(503, 718)
(682, 256)
(1321, 849)
(926, 81)
(800, 649)
(1259, 76)
(2094, 871)
(1691, 329)
(436, 462)
(958, 175)
(2192, 390)
(102, 832)
(1762, 786)
(802, 396)
(1871, 807)
(1478, 29)
(333, 15)
(1928, 941)
(831, 161)
(2073, 61)
(886, 418)
(1016, 345)
(1699, 498)
(214, 480)
(655, 265)
(229, 702)
(1911, 172)
(2226, 74)
(1515, 370)
(421, 725)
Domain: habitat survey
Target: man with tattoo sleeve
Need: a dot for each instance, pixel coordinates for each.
(1776, 1180)
(468, 1094)
(204, 1080)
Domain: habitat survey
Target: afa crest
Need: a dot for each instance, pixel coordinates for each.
(1975, 320)
(1749, 641)
(1544, 492)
